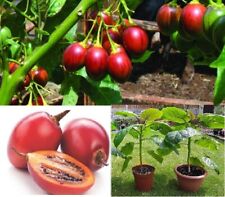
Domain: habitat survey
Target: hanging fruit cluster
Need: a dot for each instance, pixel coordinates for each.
(194, 26)
(29, 91)
(108, 45)
(34, 142)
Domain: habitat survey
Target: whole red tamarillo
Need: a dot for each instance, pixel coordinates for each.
(87, 141)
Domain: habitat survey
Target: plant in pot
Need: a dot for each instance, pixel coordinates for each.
(140, 127)
(188, 128)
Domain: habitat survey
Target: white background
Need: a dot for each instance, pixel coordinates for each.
(18, 182)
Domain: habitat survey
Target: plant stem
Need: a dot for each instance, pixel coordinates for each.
(8, 89)
(19, 11)
(189, 154)
(140, 146)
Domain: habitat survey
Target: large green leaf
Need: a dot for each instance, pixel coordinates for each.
(151, 114)
(143, 57)
(117, 153)
(54, 21)
(120, 136)
(126, 162)
(128, 148)
(211, 164)
(161, 127)
(70, 89)
(126, 114)
(213, 121)
(105, 92)
(175, 115)
(219, 90)
(196, 161)
(55, 7)
(133, 4)
(175, 137)
(134, 133)
(157, 157)
(207, 142)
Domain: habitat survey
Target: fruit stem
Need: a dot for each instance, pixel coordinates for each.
(59, 116)
(89, 33)
(112, 43)
(127, 10)
(98, 34)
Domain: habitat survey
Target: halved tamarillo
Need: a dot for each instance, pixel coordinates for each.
(87, 141)
(58, 173)
(37, 131)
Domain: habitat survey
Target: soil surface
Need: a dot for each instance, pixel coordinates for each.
(195, 171)
(143, 170)
(171, 78)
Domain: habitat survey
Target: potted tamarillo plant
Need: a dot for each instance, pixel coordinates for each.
(140, 127)
(187, 126)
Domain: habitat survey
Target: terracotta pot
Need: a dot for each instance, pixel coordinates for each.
(190, 183)
(143, 182)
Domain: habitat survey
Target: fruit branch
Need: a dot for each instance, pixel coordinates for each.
(19, 11)
(9, 85)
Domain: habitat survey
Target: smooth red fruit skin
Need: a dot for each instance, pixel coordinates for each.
(135, 40)
(191, 20)
(74, 56)
(96, 63)
(52, 186)
(84, 139)
(37, 131)
(168, 18)
(40, 76)
(119, 67)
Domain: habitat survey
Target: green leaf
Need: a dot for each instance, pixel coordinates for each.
(133, 4)
(219, 62)
(55, 7)
(113, 126)
(126, 114)
(117, 153)
(175, 115)
(128, 148)
(126, 162)
(157, 157)
(219, 90)
(151, 114)
(175, 137)
(143, 57)
(70, 97)
(70, 34)
(105, 92)
(39, 8)
(196, 161)
(211, 164)
(208, 143)
(69, 89)
(161, 127)
(120, 136)
(212, 121)
(134, 133)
